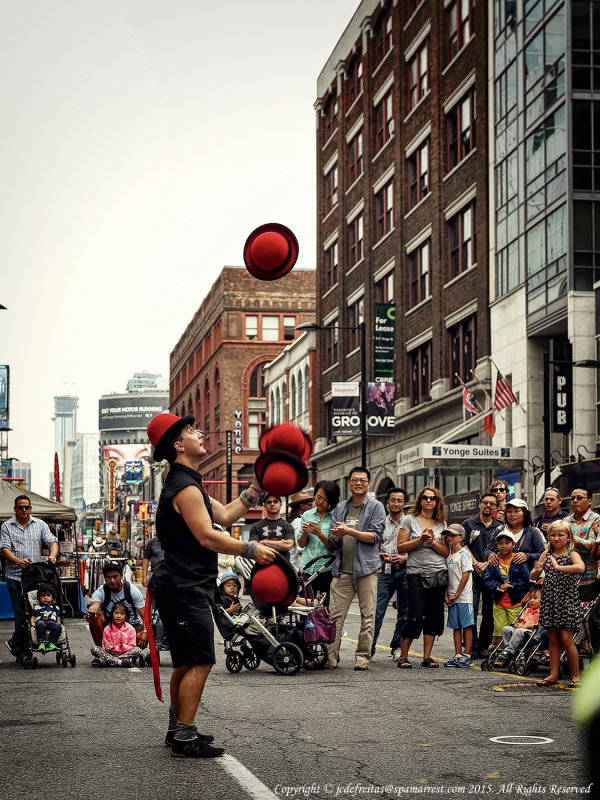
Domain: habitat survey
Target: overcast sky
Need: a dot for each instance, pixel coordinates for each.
(141, 143)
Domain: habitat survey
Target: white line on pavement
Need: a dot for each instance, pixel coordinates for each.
(247, 780)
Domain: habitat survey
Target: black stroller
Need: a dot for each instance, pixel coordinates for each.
(250, 639)
(31, 578)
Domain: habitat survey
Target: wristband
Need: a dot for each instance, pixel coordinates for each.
(249, 550)
(247, 499)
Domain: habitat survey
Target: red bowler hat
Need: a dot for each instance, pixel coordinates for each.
(275, 584)
(280, 473)
(270, 251)
(287, 437)
(162, 430)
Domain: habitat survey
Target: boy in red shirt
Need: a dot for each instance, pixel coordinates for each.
(509, 582)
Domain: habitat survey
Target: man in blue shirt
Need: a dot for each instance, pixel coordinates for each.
(21, 540)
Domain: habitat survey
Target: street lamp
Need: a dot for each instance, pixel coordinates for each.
(314, 326)
(587, 363)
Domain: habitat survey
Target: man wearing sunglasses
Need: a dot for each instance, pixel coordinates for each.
(585, 525)
(21, 540)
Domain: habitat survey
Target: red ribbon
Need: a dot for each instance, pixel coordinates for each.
(152, 644)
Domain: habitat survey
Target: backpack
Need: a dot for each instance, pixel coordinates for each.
(128, 599)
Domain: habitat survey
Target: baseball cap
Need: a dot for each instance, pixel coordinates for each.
(517, 503)
(455, 530)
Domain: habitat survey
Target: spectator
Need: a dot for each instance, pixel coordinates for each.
(104, 598)
(355, 534)
(459, 596)
(314, 539)
(272, 530)
(46, 618)
(513, 636)
(392, 578)
(420, 536)
(478, 532)
(299, 503)
(21, 540)
(529, 542)
(119, 646)
(153, 555)
(500, 491)
(552, 510)
(508, 579)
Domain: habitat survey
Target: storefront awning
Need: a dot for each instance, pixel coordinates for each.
(458, 457)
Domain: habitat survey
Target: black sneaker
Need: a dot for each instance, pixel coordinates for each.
(95, 662)
(170, 738)
(195, 748)
(14, 653)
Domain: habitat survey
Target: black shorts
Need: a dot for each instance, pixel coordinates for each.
(188, 623)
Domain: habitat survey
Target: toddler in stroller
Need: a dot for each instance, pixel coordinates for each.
(44, 630)
(46, 618)
(515, 637)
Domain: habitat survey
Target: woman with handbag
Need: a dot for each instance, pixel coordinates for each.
(420, 537)
(315, 524)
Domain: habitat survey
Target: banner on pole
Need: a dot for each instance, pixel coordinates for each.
(345, 408)
(380, 408)
(383, 341)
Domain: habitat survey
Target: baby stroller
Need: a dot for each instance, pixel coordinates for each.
(32, 576)
(250, 639)
(531, 644)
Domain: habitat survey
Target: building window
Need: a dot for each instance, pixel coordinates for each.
(419, 273)
(383, 37)
(256, 428)
(206, 406)
(330, 114)
(289, 328)
(355, 78)
(331, 266)
(461, 236)
(332, 339)
(420, 389)
(418, 76)
(384, 289)
(270, 329)
(418, 174)
(300, 394)
(462, 352)
(460, 25)
(384, 209)
(331, 189)
(251, 322)
(384, 124)
(293, 407)
(355, 240)
(355, 317)
(355, 157)
(461, 130)
(256, 385)
(306, 388)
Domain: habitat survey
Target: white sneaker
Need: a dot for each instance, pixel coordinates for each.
(396, 654)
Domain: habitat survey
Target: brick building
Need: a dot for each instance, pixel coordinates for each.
(216, 368)
(402, 216)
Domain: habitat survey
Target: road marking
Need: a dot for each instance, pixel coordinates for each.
(525, 740)
(247, 780)
(134, 669)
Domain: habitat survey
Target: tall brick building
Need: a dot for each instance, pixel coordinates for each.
(402, 215)
(216, 368)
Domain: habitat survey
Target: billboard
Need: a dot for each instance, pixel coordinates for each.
(133, 472)
(130, 412)
(122, 453)
(4, 394)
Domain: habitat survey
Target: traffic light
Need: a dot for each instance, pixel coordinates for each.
(97, 524)
(143, 512)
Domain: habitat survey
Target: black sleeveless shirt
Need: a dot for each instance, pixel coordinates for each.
(187, 563)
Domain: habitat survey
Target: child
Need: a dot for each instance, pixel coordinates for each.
(560, 611)
(46, 618)
(229, 589)
(514, 636)
(118, 640)
(459, 596)
(508, 581)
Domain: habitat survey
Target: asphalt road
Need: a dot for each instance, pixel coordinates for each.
(82, 732)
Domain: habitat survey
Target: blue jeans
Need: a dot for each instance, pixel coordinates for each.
(16, 600)
(387, 585)
(47, 631)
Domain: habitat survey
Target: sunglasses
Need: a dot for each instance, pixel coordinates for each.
(577, 497)
(428, 497)
(23, 508)
(498, 489)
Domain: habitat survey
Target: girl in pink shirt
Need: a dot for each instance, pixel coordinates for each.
(118, 640)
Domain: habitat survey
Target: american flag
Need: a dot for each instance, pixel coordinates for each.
(504, 395)
(470, 406)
